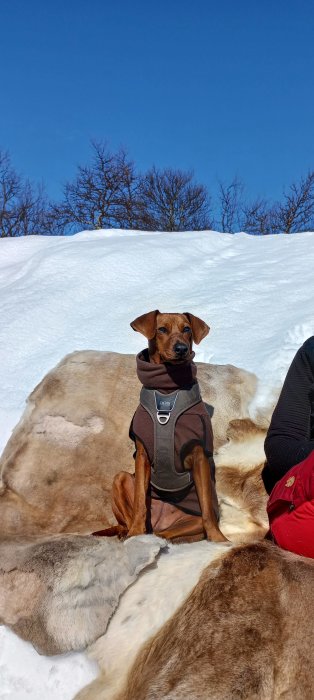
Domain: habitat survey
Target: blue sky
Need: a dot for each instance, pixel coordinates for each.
(223, 87)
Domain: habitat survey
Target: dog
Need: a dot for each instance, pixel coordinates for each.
(173, 491)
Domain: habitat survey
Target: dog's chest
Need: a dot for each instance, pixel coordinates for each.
(192, 425)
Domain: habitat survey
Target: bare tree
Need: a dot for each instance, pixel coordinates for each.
(22, 205)
(109, 193)
(296, 212)
(9, 192)
(238, 214)
(103, 195)
(231, 206)
(258, 218)
(170, 201)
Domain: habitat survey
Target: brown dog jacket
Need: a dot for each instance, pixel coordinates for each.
(170, 419)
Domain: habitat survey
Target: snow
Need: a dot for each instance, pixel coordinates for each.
(60, 294)
(25, 675)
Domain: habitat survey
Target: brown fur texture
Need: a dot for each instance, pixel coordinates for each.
(58, 466)
(239, 483)
(244, 633)
(60, 592)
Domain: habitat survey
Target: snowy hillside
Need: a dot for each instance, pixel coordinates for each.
(63, 294)
(58, 295)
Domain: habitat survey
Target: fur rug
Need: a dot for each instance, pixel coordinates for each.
(143, 610)
(57, 468)
(243, 633)
(60, 592)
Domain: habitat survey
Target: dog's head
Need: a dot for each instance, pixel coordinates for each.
(170, 336)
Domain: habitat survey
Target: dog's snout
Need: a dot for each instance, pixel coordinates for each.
(181, 349)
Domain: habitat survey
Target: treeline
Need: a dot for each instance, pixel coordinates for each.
(109, 192)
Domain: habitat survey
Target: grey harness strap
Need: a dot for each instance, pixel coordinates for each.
(164, 410)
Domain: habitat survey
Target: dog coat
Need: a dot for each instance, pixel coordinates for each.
(170, 419)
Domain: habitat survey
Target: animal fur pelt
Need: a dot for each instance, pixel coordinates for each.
(58, 466)
(242, 630)
(60, 592)
(56, 476)
(244, 633)
(143, 610)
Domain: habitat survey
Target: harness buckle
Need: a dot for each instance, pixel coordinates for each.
(164, 405)
(163, 417)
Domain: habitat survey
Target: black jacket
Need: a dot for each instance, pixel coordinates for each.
(290, 437)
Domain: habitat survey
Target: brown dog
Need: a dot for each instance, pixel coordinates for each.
(177, 502)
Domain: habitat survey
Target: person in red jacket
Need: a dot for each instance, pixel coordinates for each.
(288, 474)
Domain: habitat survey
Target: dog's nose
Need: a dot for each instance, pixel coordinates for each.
(181, 349)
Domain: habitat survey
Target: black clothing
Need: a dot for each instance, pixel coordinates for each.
(289, 438)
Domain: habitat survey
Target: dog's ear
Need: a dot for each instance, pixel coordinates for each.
(200, 329)
(146, 324)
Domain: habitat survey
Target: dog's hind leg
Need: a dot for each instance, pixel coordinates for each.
(187, 528)
(122, 497)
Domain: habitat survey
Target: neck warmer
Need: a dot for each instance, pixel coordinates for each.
(165, 377)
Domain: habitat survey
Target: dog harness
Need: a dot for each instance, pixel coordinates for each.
(164, 410)
(170, 419)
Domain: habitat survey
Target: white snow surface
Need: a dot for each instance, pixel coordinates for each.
(26, 675)
(60, 294)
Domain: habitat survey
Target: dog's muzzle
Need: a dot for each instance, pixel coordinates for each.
(181, 350)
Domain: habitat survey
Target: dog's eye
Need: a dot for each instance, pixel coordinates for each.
(186, 329)
(162, 329)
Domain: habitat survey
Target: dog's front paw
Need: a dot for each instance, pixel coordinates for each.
(214, 534)
(218, 537)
